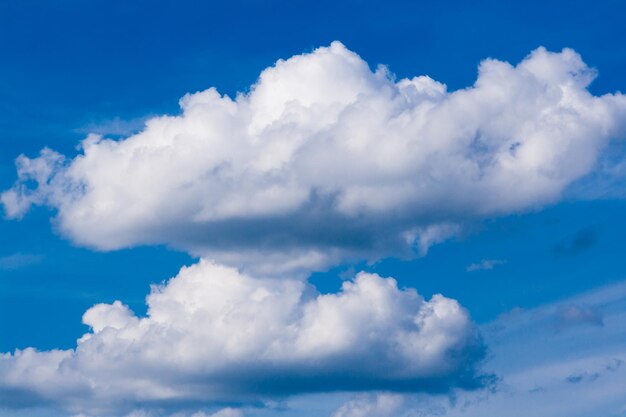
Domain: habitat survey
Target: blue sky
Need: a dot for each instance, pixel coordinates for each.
(550, 253)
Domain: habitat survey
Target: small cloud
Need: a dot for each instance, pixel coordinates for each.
(348, 274)
(19, 260)
(579, 314)
(423, 238)
(581, 241)
(485, 265)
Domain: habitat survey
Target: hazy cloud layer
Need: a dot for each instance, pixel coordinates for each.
(574, 372)
(213, 335)
(325, 160)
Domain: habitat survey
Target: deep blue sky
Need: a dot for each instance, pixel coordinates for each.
(70, 67)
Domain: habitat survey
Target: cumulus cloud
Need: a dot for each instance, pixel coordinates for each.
(213, 335)
(325, 160)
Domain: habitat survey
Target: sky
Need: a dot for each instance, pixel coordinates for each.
(342, 209)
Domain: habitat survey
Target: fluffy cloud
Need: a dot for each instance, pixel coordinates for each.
(325, 160)
(215, 336)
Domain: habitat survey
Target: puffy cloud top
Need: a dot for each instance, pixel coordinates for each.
(324, 159)
(213, 335)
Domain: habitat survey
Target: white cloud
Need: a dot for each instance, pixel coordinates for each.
(326, 160)
(213, 335)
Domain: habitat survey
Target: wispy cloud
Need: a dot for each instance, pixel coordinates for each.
(485, 265)
(19, 260)
(115, 127)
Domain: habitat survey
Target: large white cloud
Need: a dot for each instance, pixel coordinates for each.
(325, 160)
(213, 335)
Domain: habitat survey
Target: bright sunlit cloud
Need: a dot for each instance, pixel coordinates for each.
(325, 160)
(213, 335)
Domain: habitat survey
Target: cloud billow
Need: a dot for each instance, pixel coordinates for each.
(213, 335)
(325, 160)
